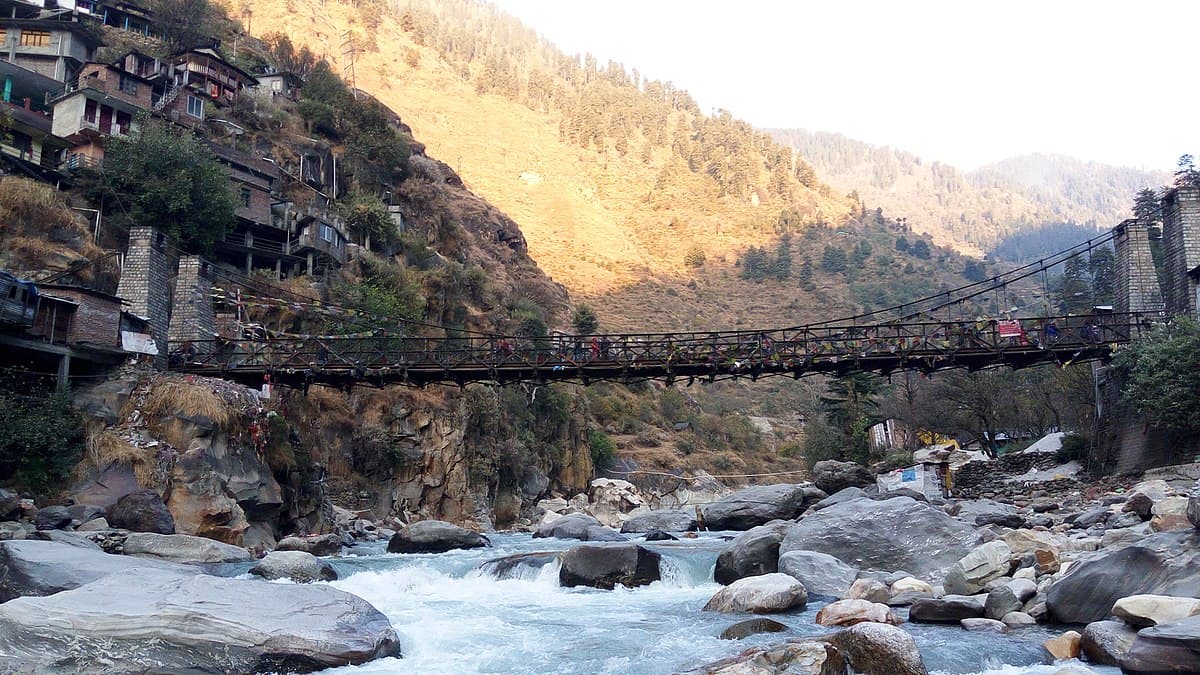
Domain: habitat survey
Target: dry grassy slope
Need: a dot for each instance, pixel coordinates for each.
(584, 214)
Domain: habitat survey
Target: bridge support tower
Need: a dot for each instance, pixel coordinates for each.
(1181, 249)
(145, 283)
(1137, 281)
(192, 311)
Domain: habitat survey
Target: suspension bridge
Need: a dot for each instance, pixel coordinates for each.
(926, 335)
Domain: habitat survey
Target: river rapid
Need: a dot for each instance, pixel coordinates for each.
(456, 620)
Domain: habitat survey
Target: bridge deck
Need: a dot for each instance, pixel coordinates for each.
(834, 349)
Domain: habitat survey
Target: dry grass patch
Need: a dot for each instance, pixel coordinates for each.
(105, 448)
(178, 398)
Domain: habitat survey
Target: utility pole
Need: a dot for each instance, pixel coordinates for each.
(350, 54)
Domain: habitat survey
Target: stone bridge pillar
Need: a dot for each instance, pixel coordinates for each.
(1137, 281)
(1181, 248)
(144, 283)
(192, 312)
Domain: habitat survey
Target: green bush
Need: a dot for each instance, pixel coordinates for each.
(1074, 447)
(602, 448)
(41, 436)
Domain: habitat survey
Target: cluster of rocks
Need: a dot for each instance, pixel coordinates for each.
(990, 478)
(1126, 566)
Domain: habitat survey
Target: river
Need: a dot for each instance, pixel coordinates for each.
(455, 620)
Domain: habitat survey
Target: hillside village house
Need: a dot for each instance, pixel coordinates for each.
(52, 42)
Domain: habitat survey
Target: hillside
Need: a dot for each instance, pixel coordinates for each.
(974, 210)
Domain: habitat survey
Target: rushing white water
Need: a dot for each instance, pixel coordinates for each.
(455, 620)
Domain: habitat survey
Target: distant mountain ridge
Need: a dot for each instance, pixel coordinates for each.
(974, 210)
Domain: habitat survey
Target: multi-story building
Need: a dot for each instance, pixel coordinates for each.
(104, 101)
(55, 42)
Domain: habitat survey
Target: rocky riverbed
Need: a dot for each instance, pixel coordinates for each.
(1107, 573)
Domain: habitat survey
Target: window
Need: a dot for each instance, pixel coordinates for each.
(129, 85)
(35, 38)
(195, 106)
(246, 197)
(327, 233)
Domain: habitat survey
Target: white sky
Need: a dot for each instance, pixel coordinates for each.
(963, 81)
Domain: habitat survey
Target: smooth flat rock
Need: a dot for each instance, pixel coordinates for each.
(1168, 648)
(890, 534)
(764, 594)
(168, 621)
(744, 629)
(317, 544)
(37, 568)
(183, 548)
(1145, 610)
(851, 612)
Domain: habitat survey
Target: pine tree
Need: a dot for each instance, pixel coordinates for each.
(833, 259)
(781, 266)
(1147, 206)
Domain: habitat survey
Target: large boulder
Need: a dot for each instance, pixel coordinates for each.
(947, 609)
(662, 520)
(10, 504)
(1106, 642)
(605, 566)
(48, 567)
(168, 621)
(851, 612)
(843, 495)
(301, 567)
(142, 511)
(764, 594)
(183, 548)
(612, 498)
(879, 649)
(1193, 510)
(760, 504)
(744, 629)
(1169, 648)
(1153, 610)
(52, 518)
(520, 565)
(317, 544)
(832, 476)
(821, 573)
(434, 536)
(983, 564)
(751, 553)
(1167, 563)
(577, 526)
(891, 534)
(804, 656)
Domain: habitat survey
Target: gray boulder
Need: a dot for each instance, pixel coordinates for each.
(168, 621)
(763, 594)
(1106, 642)
(520, 565)
(579, 526)
(821, 574)
(1088, 518)
(744, 629)
(10, 504)
(971, 510)
(35, 568)
(142, 511)
(301, 567)
(879, 649)
(1167, 563)
(947, 609)
(1193, 511)
(183, 548)
(434, 536)
(802, 656)
(831, 475)
(753, 552)
(317, 544)
(605, 566)
(663, 520)
(892, 534)
(52, 518)
(760, 504)
(1169, 648)
(843, 495)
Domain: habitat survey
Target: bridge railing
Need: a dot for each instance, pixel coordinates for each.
(795, 349)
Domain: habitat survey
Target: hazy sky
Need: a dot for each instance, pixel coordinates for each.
(964, 81)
